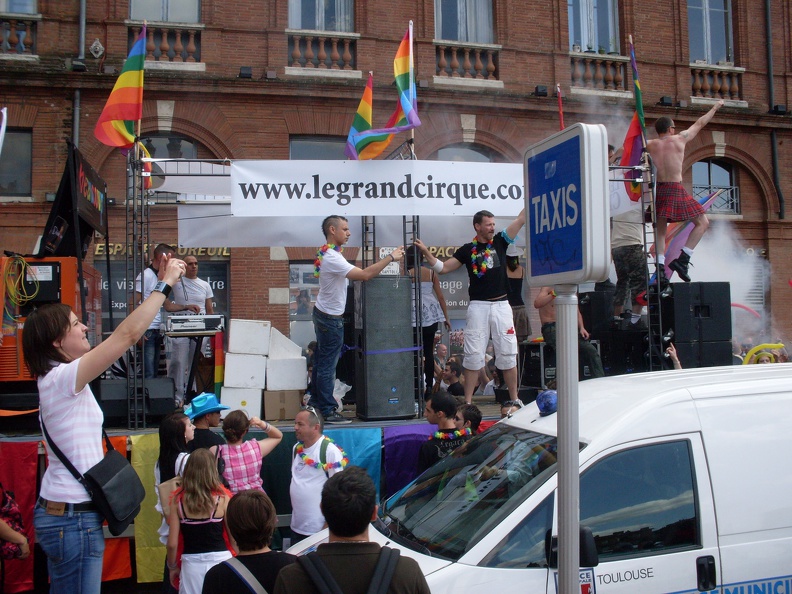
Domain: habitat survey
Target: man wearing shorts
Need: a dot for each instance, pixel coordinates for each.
(489, 312)
(672, 201)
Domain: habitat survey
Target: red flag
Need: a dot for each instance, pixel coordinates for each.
(631, 157)
(560, 106)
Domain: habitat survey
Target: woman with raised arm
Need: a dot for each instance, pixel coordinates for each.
(56, 349)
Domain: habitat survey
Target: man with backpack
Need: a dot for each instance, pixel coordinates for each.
(315, 458)
(349, 562)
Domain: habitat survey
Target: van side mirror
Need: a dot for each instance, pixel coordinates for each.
(588, 549)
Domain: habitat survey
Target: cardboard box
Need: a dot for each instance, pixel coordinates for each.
(282, 405)
(287, 374)
(246, 399)
(245, 371)
(249, 337)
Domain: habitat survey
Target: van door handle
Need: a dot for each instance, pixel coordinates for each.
(705, 573)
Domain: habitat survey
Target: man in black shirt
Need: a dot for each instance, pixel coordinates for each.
(440, 410)
(451, 375)
(204, 412)
(489, 312)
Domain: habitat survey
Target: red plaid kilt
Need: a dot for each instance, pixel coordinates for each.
(675, 204)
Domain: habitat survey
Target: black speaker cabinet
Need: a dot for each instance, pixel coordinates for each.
(624, 351)
(698, 312)
(596, 307)
(158, 398)
(704, 354)
(385, 366)
(539, 365)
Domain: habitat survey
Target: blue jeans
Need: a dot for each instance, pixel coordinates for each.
(329, 340)
(152, 347)
(74, 545)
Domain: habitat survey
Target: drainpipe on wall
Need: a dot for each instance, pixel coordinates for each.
(771, 102)
(80, 58)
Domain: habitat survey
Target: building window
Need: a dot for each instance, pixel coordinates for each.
(712, 175)
(467, 153)
(322, 15)
(710, 31)
(16, 164)
(317, 148)
(593, 25)
(19, 6)
(168, 11)
(464, 20)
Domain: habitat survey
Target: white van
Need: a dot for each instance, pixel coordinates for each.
(685, 483)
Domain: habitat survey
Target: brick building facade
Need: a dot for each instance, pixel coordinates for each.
(480, 86)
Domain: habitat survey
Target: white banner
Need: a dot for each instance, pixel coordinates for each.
(374, 188)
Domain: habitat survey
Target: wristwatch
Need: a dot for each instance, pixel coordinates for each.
(163, 288)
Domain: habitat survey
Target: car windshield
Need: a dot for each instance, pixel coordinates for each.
(451, 506)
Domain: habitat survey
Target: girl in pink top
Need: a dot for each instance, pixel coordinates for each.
(243, 458)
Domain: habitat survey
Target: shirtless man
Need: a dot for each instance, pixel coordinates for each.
(545, 303)
(673, 203)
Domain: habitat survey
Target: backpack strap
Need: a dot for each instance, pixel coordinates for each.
(244, 574)
(384, 570)
(319, 574)
(323, 454)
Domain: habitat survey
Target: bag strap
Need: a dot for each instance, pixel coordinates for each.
(323, 454)
(67, 463)
(244, 574)
(319, 574)
(384, 570)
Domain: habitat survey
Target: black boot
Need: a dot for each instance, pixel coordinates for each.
(680, 266)
(662, 279)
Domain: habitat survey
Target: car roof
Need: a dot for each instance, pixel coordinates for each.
(643, 403)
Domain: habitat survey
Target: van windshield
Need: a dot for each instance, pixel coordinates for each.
(451, 506)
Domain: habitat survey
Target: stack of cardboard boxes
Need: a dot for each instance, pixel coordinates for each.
(261, 359)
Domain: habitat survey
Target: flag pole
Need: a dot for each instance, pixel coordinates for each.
(560, 106)
(412, 89)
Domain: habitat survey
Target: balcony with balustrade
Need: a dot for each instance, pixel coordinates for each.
(322, 53)
(717, 81)
(19, 35)
(466, 64)
(171, 46)
(599, 73)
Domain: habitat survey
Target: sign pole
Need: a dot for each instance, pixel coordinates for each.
(566, 305)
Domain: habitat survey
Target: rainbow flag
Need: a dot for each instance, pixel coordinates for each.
(635, 140)
(146, 166)
(371, 143)
(362, 121)
(116, 125)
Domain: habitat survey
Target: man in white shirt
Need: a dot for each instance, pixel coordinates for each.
(189, 291)
(333, 271)
(152, 339)
(315, 458)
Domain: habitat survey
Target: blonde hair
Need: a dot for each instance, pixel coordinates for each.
(200, 483)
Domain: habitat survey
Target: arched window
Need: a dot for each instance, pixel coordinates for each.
(714, 175)
(467, 153)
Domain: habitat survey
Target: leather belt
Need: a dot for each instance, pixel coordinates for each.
(87, 506)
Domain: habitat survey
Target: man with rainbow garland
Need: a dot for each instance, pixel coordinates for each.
(315, 459)
(333, 270)
(489, 312)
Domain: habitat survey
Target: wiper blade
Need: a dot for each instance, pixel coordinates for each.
(404, 535)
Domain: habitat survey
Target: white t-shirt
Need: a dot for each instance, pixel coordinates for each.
(333, 283)
(74, 422)
(306, 488)
(149, 282)
(197, 292)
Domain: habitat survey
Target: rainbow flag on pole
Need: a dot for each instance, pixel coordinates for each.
(116, 125)
(635, 140)
(362, 121)
(369, 144)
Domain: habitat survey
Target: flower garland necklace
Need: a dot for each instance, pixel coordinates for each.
(321, 254)
(300, 451)
(485, 257)
(456, 434)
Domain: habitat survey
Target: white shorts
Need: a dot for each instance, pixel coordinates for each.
(485, 319)
(194, 568)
